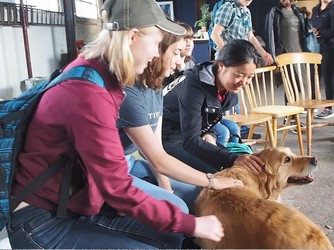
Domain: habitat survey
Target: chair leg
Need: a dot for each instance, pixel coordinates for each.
(299, 134)
(309, 119)
(285, 131)
(270, 134)
(274, 125)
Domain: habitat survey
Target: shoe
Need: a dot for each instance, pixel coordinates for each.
(293, 122)
(255, 136)
(305, 111)
(325, 113)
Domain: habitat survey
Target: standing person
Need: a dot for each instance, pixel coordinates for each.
(79, 116)
(194, 103)
(286, 28)
(285, 31)
(323, 23)
(233, 21)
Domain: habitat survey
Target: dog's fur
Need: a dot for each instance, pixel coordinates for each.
(252, 217)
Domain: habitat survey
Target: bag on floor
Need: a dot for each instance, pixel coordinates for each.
(15, 117)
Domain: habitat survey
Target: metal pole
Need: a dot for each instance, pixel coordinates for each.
(25, 38)
(70, 29)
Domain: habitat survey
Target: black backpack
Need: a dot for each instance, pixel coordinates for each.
(15, 117)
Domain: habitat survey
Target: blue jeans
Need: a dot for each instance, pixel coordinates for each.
(33, 227)
(144, 178)
(225, 128)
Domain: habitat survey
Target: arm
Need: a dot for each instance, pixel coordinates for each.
(222, 20)
(163, 180)
(216, 35)
(265, 55)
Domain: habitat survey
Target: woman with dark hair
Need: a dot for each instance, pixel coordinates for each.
(194, 103)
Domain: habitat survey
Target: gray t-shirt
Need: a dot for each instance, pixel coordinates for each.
(141, 106)
(290, 31)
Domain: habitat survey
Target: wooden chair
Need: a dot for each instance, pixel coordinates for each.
(303, 93)
(252, 120)
(261, 99)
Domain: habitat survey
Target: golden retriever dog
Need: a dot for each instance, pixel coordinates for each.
(251, 215)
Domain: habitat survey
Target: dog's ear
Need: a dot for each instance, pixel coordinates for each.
(268, 177)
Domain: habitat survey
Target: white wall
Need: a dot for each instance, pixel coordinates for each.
(46, 44)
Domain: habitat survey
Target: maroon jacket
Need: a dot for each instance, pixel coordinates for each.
(79, 115)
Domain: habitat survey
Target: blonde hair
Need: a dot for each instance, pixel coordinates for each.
(113, 48)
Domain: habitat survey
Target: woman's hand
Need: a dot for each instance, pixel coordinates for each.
(209, 138)
(251, 161)
(209, 227)
(221, 182)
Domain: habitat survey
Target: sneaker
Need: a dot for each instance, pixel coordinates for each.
(305, 111)
(255, 136)
(325, 113)
(293, 122)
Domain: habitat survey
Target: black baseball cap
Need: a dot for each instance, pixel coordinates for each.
(128, 14)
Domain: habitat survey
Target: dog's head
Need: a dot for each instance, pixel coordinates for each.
(284, 168)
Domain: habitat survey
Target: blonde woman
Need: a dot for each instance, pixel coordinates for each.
(104, 209)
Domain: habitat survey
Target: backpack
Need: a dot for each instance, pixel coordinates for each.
(213, 17)
(15, 117)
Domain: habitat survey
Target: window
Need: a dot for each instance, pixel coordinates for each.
(83, 8)
(51, 5)
(86, 8)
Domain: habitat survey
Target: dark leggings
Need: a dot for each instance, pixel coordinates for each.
(327, 72)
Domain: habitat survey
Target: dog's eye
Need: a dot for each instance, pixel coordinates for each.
(287, 159)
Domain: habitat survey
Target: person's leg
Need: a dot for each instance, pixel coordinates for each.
(159, 193)
(327, 65)
(186, 192)
(140, 169)
(222, 132)
(233, 129)
(33, 227)
(176, 149)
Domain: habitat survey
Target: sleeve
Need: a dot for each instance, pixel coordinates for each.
(190, 105)
(107, 173)
(224, 14)
(132, 112)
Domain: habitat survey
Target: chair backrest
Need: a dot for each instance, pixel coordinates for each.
(300, 75)
(261, 91)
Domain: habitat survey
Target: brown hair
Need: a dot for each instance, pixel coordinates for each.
(154, 74)
(188, 35)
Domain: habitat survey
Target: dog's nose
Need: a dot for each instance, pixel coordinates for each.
(314, 160)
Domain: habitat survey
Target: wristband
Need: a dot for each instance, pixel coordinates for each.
(211, 179)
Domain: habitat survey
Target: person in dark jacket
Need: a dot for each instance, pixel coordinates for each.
(323, 23)
(194, 103)
(285, 28)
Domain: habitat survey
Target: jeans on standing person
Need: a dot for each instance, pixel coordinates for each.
(145, 180)
(33, 227)
(225, 130)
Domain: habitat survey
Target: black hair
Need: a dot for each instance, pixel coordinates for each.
(238, 52)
